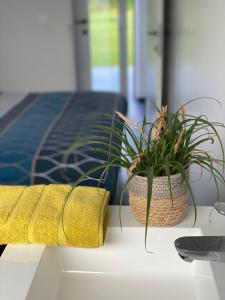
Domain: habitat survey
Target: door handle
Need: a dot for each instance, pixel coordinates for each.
(153, 32)
(156, 32)
(81, 22)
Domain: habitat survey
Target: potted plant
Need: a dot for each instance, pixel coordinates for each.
(157, 157)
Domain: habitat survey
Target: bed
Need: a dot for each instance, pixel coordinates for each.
(37, 128)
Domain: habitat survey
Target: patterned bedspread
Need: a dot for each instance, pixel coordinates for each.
(35, 133)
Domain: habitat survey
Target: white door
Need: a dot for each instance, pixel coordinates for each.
(154, 54)
(82, 53)
(96, 24)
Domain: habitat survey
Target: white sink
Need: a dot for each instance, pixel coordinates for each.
(122, 269)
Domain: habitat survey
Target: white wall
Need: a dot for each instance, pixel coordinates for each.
(197, 67)
(37, 45)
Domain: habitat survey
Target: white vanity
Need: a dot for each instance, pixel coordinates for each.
(121, 269)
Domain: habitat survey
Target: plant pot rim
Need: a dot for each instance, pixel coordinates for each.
(157, 177)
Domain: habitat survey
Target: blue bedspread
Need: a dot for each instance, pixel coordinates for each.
(35, 134)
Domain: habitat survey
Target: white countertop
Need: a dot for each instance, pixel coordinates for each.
(208, 219)
(19, 263)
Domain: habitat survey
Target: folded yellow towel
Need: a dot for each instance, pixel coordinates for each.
(40, 214)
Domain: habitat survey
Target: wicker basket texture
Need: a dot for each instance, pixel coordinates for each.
(164, 212)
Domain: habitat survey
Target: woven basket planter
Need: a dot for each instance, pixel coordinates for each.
(163, 212)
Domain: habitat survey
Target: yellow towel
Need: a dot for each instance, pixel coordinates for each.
(35, 214)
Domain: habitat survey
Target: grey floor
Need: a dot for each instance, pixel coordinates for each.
(136, 112)
(107, 79)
